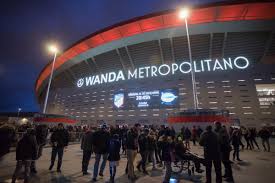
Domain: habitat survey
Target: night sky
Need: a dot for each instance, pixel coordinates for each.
(28, 25)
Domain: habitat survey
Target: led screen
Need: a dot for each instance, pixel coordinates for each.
(163, 98)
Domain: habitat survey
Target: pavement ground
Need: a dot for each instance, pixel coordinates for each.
(256, 167)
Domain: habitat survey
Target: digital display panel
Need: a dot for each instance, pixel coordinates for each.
(163, 98)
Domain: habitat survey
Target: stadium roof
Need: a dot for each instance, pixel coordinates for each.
(218, 12)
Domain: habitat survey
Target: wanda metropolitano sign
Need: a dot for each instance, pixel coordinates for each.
(185, 67)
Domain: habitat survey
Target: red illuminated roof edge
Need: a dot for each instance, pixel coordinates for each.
(141, 18)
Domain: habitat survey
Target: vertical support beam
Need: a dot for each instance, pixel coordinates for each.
(267, 45)
(94, 62)
(130, 58)
(172, 50)
(90, 67)
(121, 60)
(161, 53)
(210, 45)
(223, 44)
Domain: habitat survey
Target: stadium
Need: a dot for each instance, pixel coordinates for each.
(140, 70)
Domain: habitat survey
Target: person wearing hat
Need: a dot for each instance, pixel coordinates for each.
(26, 152)
(100, 141)
(59, 140)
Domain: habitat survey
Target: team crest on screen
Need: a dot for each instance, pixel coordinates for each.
(119, 100)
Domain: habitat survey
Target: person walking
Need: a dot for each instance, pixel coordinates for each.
(168, 154)
(87, 147)
(143, 150)
(41, 133)
(246, 134)
(253, 135)
(187, 136)
(59, 141)
(225, 148)
(152, 148)
(114, 156)
(194, 135)
(235, 140)
(131, 148)
(209, 141)
(26, 152)
(100, 146)
(264, 134)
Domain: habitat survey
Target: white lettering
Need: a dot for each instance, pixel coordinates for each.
(217, 65)
(185, 71)
(175, 67)
(154, 69)
(227, 63)
(120, 76)
(236, 62)
(112, 77)
(165, 73)
(132, 75)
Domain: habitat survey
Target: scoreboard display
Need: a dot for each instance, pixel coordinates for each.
(163, 98)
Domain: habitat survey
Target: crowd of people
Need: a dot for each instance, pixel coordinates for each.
(161, 146)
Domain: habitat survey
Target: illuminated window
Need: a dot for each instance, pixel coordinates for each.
(110, 115)
(226, 81)
(258, 79)
(210, 82)
(266, 112)
(248, 113)
(155, 114)
(211, 92)
(241, 80)
(213, 102)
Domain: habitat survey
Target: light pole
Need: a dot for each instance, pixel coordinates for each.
(183, 14)
(18, 111)
(53, 49)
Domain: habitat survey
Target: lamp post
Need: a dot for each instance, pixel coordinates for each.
(18, 111)
(52, 49)
(183, 14)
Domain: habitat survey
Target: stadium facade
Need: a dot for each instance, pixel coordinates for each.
(139, 70)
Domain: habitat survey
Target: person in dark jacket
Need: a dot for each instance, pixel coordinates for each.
(7, 137)
(184, 154)
(132, 147)
(26, 152)
(41, 132)
(114, 156)
(253, 135)
(100, 146)
(225, 148)
(212, 154)
(187, 137)
(168, 154)
(59, 140)
(235, 140)
(143, 150)
(86, 146)
(264, 134)
(152, 143)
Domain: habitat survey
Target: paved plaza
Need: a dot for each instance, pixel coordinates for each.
(257, 167)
